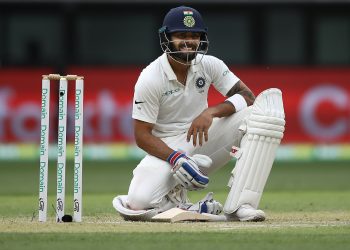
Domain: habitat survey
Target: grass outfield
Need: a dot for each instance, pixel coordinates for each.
(307, 207)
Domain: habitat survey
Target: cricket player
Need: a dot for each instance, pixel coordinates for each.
(186, 141)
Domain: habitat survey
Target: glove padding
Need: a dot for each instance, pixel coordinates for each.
(187, 171)
(206, 205)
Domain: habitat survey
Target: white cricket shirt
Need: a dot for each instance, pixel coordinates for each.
(163, 101)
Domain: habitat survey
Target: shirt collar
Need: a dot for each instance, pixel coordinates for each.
(169, 71)
(167, 68)
(194, 67)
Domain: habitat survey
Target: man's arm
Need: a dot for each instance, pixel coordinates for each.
(148, 142)
(227, 108)
(185, 171)
(202, 123)
(243, 90)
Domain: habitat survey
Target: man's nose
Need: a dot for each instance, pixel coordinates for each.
(189, 37)
(189, 43)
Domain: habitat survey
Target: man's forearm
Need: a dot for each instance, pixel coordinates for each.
(153, 146)
(221, 110)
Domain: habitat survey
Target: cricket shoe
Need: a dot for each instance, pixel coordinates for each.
(206, 205)
(246, 213)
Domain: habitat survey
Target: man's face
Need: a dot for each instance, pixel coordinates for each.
(186, 44)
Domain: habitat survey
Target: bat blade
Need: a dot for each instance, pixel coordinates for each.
(178, 215)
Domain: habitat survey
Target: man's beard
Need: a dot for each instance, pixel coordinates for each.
(183, 56)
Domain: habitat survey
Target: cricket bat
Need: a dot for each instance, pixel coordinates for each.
(178, 215)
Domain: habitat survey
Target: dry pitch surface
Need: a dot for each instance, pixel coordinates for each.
(108, 223)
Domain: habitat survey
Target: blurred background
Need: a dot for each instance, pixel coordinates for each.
(301, 47)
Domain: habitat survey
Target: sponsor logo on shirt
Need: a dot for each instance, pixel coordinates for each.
(225, 72)
(170, 92)
(137, 102)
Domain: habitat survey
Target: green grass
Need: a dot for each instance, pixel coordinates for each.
(307, 204)
(329, 238)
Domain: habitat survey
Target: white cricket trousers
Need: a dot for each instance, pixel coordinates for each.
(152, 178)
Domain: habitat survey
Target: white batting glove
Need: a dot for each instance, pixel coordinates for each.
(186, 170)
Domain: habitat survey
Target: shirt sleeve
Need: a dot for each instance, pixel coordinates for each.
(222, 78)
(145, 102)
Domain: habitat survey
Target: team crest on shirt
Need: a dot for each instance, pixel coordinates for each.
(200, 83)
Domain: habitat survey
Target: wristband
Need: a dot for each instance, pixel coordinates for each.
(238, 101)
(174, 156)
